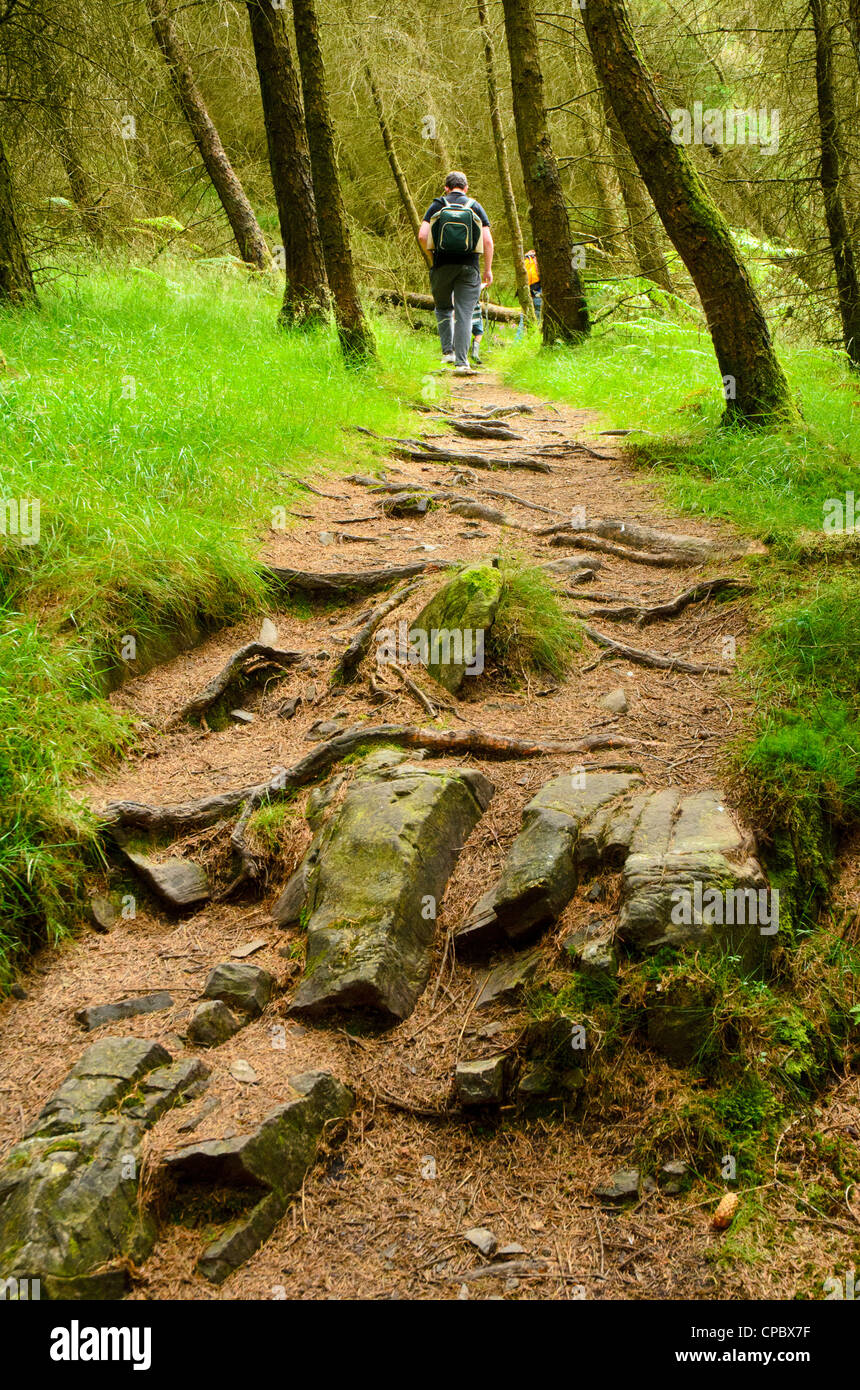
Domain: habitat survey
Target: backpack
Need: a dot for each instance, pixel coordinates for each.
(456, 228)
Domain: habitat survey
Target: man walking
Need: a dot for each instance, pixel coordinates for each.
(454, 232)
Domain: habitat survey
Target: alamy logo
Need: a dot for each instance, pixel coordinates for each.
(76, 1343)
(840, 516)
(727, 907)
(20, 1290)
(20, 518)
(457, 646)
(733, 126)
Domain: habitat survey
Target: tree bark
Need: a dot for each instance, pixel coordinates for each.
(356, 338)
(306, 296)
(641, 217)
(249, 238)
(830, 173)
(565, 314)
(505, 182)
(16, 277)
(754, 385)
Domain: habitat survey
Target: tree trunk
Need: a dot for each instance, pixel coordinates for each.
(505, 182)
(832, 161)
(354, 332)
(240, 214)
(396, 168)
(306, 296)
(641, 217)
(754, 385)
(16, 278)
(607, 194)
(565, 314)
(57, 103)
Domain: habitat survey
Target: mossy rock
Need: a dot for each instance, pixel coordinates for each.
(455, 623)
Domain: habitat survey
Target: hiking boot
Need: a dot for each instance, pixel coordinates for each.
(448, 359)
(465, 371)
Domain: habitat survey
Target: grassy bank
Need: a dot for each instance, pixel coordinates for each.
(158, 420)
(800, 772)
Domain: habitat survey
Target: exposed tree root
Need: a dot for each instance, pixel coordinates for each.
(643, 657)
(479, 429)
(415, 691)
(501, 492)
(346, 668)
(240, 662)
(418, 452)
(643, 615)
(344, 582)
(581, 540)
(250, 865)
(194, 815)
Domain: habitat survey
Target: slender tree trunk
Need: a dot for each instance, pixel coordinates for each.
(240, 214)
(353, 330)
(832, 162)
(57, 108)
(604, 184)
(505, 182)
(642, 220)
(565, 313)
(753, 381)
(16, 277)
(396, 168)
(306, 296)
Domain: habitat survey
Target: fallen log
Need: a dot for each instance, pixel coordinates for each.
(497, 313)
(654, 660)
(238, 663)
(344, 582)
(345, 670)
(643, 614)
(194, 815)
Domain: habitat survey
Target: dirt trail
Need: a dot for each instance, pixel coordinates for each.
(384, 1217)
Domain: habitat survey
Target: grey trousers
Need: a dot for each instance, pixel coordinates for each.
(456, 291)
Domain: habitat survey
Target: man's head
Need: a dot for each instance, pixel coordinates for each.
(456, 182)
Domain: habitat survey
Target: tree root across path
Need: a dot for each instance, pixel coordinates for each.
(244, 660)
(655, 660)
(346, 668)
(194, 815)
(345, 581)
(582, 540)
(642, 615)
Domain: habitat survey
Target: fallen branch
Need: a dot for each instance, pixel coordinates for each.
(194, 815)
(415, 691)
(345, 670)
(520, 501)
(642, 615)
(653, 659)
(237, 664)
(345, 582)
(497, 313)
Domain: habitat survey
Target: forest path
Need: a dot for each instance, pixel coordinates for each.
(385, 1217)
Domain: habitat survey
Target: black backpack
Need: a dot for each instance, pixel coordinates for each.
(456, 228)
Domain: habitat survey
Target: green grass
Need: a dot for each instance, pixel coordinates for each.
(800, 768)
(531, 633)
(161, 421)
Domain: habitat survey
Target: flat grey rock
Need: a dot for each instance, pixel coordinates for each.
(94, 1015)
(615, 701)
(244, 987)
(481, 1081)
(482, 1239)
(508, 979)
(178, 882)
(212, 1023)
(621, 1186)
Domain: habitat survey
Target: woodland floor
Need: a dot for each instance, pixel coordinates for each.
(370, 1224)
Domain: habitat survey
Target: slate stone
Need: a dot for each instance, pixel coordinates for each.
(468, 602)
(621, 1186)
(70, 1210)
(97, 1014)
(481, 1081)
(178, 882)
(540, 873)
(244, 987)
(597, 960)
(273, 1159)
(212, 1023)
(482, 1239)
(376, 882)
(508, 979)
(103, 913)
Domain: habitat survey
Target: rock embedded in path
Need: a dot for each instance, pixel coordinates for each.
(179, 883)
(270, 1163)
(103, 913)
(615, 701)
(212, 1023)
(508, 979)
(621, 1186)
(460, 615)
(70, 1210)
(378, 874)
(482, 1239)
(540, 873)
(244, 987)
(96, 1014)
(481, 1081)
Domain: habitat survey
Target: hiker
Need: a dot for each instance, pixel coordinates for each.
(477, 334)
(533, 277)
(454, 232)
